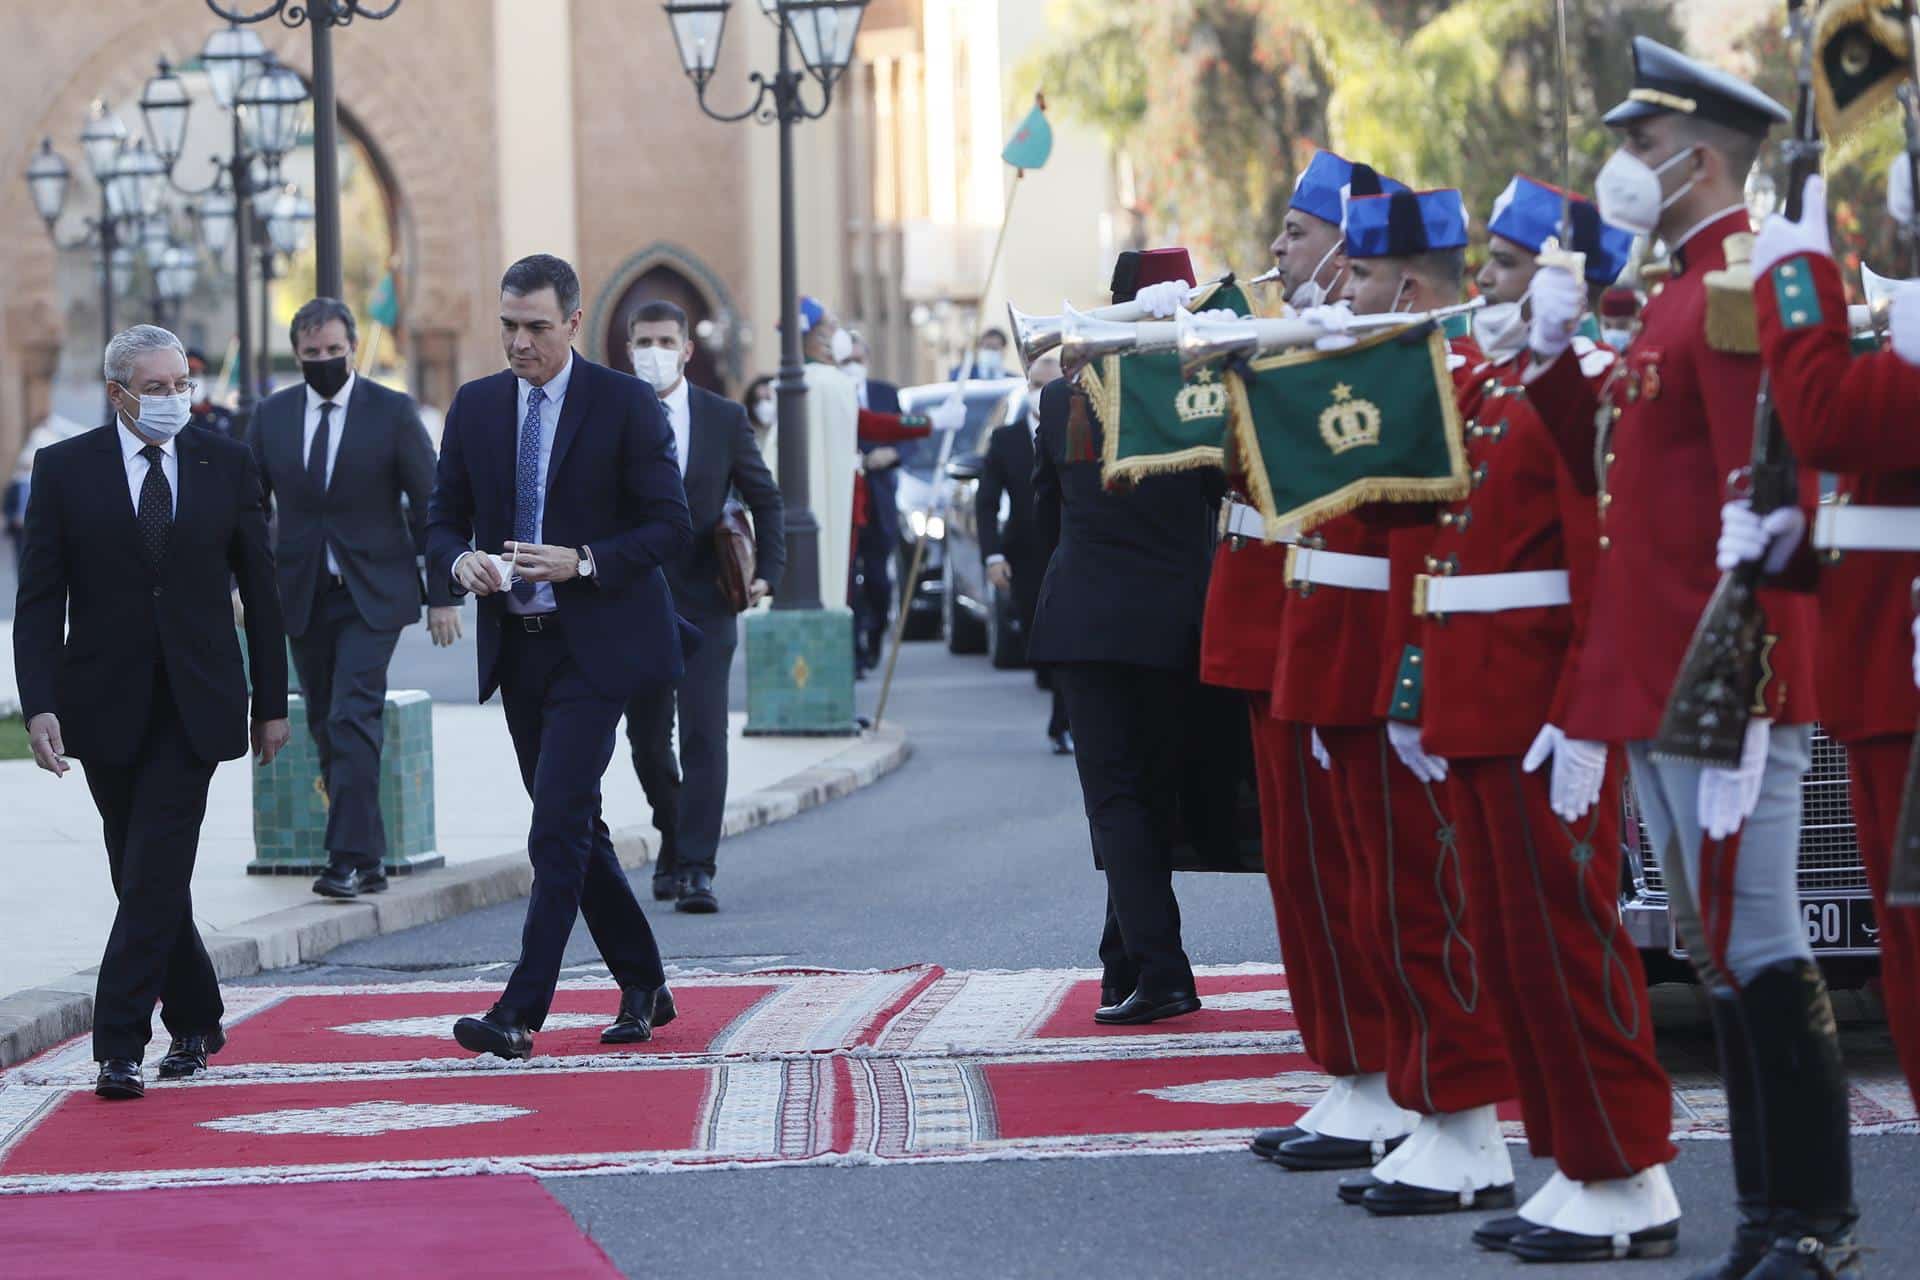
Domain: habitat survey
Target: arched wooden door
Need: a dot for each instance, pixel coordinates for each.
(663, 283)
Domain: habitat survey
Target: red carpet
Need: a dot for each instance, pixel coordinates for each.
(505, 1227)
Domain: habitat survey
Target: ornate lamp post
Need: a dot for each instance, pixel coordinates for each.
(320, 18)
(287, 219)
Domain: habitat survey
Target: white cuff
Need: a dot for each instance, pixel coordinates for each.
(994, 560)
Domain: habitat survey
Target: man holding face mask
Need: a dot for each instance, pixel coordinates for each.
(349, 469)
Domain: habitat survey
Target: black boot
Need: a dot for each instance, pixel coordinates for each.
(1754, 1232)
(1805, 1121)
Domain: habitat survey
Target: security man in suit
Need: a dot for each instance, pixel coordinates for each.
(1011, 552)
(1502, 606)
(558, 502)
(877, 541)
(1678, 419)
(349, 470)
(715, 448)
(125, 649)
(1119, 622)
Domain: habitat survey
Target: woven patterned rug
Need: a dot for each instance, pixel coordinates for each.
(778, 1067)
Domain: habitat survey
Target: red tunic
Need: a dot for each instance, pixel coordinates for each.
(1854, 415)
(1240, 634)
(1331, 638)
(1679, 419)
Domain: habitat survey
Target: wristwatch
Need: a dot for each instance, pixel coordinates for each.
(586, 562)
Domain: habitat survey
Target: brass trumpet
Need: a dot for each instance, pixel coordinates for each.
(1203, 341)
(1037, 335)
(1089, 335)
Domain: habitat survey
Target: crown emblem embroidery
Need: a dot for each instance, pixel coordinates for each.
(1348, 423)
(1201, 399)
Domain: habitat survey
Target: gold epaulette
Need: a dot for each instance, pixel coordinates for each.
(1733, 323)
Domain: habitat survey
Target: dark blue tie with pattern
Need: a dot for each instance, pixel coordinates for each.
(155, 516)
(526, 485)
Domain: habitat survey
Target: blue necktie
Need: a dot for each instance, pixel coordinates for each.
(526, 485)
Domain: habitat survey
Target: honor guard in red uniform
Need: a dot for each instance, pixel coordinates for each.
(1498, 616)
(1678, 420)
(1854, 415)
(1445, 1057)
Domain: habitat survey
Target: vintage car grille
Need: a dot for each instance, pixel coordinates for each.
(1829, 856)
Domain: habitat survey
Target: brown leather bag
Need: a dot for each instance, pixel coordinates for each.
(733, 548)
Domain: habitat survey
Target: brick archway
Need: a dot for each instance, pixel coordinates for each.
(673, 263)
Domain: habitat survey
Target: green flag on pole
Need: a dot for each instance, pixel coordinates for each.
(1324, 432)
(1152, 417)
(1032, 142)
(383, 308)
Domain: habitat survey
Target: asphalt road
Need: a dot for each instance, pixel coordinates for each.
(975, 855)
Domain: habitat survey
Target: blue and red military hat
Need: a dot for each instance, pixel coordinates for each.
(1404, 223)
(1528, 213)
(1328, 181)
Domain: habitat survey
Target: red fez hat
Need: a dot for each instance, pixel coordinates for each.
(1619, 302)
(1135, 269)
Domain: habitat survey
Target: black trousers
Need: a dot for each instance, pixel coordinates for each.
(563, 733)
(1126, 722)
(688, 794)
(872, 594)
(151, 811)
(343, 677)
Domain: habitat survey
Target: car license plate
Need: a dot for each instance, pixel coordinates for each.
(1832, 924)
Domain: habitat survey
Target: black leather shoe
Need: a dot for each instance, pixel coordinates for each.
(120, 1080)
(1144, 1006)
(696, 895)
(1544, 1244)
(1498, 1233)
(1808, 1247)
(1062, 743)
(1752, 1238)
(1398, 1200)
(1266, 1143)
(666, 887)
(1316, 1151)
(340, 883)
(373, 881)
(187, 1055)
(642, 1009)
(1354, 1190)
(497, 1032)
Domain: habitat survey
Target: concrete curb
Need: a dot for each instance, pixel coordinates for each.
(35, 1020)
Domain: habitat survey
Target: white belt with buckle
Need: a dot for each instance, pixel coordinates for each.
(1306, 566)
(1844, 527)
(1242, 521)
(1490, 592)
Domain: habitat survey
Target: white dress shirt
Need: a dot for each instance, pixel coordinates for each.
(679, 406)
(336, 427)
(130, 447)
(556, 392)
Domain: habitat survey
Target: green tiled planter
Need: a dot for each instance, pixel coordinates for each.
(800, 672)
(290, 801)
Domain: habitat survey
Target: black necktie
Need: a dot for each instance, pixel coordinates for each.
(155, 516)
(317, 456)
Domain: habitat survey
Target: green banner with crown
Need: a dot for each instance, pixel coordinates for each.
(1153, 419)
(1323, 432)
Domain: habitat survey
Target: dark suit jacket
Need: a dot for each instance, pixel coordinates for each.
(612, 484)
(1008, 469)
(1127, 570)
(723, 458)
(81, 573)
(882, 530)
(384, 456)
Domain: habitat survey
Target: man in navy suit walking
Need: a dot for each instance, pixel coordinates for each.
(558, 499)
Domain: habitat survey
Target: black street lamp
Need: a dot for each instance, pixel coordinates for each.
(320, 18)
(285, 218)
(824, 32)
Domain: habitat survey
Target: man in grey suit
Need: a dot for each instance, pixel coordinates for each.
(714, 445)
(349, 469)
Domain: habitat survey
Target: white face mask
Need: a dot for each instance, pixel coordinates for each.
(658, 367)
(1617, 338)
(855, 369)
(763, 413)
(1311, 292)
(842, 346)
(1500, 330)
(165, 416)
(1629, 192)
(990, 362)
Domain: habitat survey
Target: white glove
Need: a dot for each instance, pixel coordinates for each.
(1779, 239)
(1579, 769)
(1406, 744)
(1916, 657)
(1220, 313)
(1900, 190)
(1325, 761)
(949, 415)
(1163, 299)
(1558, 300)
(1727, 797)
(1745, 537)
(1903, 322)
(1333, 319)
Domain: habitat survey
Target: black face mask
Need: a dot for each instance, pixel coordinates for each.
(325, 376)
